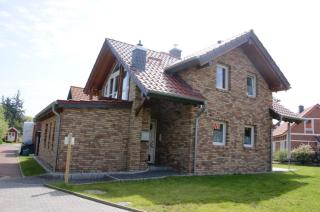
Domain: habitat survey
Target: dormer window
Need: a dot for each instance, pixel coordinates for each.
(112, 87)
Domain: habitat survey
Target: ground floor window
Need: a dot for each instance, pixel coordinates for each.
(219, 133)
(248, 136)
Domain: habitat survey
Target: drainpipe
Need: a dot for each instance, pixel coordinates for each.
(58, 124)
(202, 109)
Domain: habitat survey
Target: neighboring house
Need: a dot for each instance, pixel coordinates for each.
(12, 134)
(306, 132)
(209, 113)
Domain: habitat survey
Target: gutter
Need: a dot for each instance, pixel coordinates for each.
(58, 124)
(202, 109)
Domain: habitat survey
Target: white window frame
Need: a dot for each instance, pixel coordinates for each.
(114, 75)
(311, 130)
(224, 134)
(226, 80)
(252, 136)
(254, 87)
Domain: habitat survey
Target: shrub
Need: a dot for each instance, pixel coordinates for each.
(304, 153)
(280, 156)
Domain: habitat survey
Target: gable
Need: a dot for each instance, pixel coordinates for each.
(252, 47)
(153, 81)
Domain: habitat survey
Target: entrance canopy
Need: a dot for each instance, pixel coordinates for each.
(281, 113)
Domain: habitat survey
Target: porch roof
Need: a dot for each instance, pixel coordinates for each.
(279, 112)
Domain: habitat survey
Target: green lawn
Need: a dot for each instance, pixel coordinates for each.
(290, 191)
(30, 167)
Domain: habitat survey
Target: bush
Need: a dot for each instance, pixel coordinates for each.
(304, 153)
(280, 156)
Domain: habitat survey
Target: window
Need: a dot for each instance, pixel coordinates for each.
(49, 139)
(251, 86)
(53, 133)
(219, 133)
(112, 86)
(222, 75)
(248, 136)
(308, 125)
(45, 135)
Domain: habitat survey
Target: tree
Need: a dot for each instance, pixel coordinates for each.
(3, 124)
(13, 111)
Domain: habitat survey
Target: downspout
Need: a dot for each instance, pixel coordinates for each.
(58, 124)
(202, 109)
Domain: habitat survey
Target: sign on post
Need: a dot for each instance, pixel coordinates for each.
(68, 141)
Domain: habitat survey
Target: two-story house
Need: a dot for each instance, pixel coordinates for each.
(209, 113)
(306, 132)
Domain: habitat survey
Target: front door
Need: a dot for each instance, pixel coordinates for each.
(152, 142)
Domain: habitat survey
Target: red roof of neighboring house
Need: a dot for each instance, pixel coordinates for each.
(76, 93)
(282, 129)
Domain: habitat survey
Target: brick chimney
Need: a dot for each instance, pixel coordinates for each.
(139, 57)
(301, 108)
(175, 52)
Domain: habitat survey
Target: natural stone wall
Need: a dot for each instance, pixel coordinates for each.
(48, 142)
(101, 137)
(236, 109)
(175, 131)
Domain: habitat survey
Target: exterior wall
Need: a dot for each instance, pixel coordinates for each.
(101, 137)
(175, 127)
(48, 142)
(236, 109)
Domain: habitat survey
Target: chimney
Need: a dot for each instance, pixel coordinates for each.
(139, 57)
(175, 52)
(301, 108)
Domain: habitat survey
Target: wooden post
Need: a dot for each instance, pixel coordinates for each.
(66, 174)
(289, 144)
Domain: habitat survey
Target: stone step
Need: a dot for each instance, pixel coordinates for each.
(159, 168)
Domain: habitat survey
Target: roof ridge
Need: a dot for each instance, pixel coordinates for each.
(150, 50)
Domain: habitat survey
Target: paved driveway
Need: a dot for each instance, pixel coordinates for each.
(9, 163)
(19, 194)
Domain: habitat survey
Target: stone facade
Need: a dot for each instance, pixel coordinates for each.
(236, 109)
(110, 139)
(101, 139)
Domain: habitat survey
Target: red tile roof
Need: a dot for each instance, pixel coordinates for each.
(76, 93)
(154, 79)
(278, 108)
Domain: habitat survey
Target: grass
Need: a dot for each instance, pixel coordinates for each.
(285, 191)
(30, 166)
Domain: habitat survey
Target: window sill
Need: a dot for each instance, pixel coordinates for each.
(222, 90)
(248, 147)
(218, 144)
(252, 97)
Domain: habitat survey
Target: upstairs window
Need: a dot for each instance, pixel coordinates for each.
(248, 136)
(112, 86)
(308, 126)
(219, 133)
(222, 77)
(251, 85)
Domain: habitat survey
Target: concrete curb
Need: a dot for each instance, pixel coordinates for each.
(93, 199)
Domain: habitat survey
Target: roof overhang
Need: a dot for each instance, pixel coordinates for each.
(64, 104)
(283, 117)
(255, 51)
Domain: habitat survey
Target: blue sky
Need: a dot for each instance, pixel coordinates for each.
(46, 46)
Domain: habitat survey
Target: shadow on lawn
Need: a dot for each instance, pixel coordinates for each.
(204, 189)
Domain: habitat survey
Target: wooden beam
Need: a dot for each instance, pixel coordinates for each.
(138, 109)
